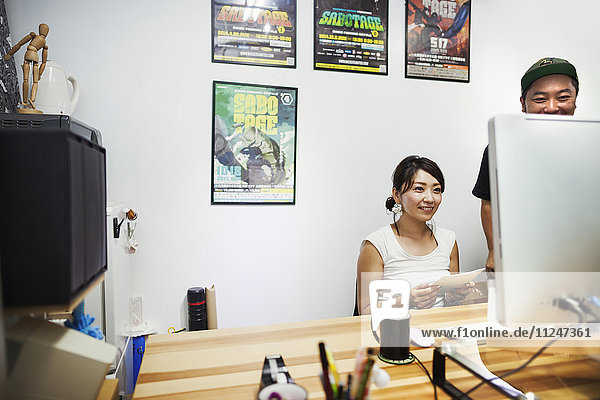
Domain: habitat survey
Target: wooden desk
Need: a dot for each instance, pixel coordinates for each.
(227, 363)
(109, 390)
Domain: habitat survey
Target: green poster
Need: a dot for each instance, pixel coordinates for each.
(254, 144)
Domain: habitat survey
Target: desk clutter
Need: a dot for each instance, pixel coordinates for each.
(228, 363)
(357, 383)
(202, 308)
(277, 384)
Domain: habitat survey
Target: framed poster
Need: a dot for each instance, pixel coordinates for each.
(351, 35)
(254, 32)
(254, 144)
(437, 39)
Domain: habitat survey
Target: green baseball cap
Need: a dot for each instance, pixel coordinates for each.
(547, 66)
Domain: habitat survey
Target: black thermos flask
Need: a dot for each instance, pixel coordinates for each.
(197, 309)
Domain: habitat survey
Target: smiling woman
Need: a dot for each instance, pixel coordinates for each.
(412, 247)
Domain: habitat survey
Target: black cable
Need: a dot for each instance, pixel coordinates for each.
(533, 357)
(562, 303)
(429, 376)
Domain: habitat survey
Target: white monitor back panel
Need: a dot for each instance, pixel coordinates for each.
(545, 185)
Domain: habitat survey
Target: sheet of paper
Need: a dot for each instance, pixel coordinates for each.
(457, 280)
(417, 338)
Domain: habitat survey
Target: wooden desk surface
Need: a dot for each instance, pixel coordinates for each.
(227, 363)
(109, 390)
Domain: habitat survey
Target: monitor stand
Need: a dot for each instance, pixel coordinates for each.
(439, 377)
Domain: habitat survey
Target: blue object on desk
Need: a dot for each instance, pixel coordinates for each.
(83, 323)
(139, 346)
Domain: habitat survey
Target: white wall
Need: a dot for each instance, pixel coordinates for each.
(146, 77)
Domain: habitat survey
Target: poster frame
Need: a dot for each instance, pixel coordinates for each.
(213, 34)
(431, 78)
(387, 50)
(212, 158)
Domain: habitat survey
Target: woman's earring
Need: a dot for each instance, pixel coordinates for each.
(397, 209)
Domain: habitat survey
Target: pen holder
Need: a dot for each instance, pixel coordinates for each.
(395, 341)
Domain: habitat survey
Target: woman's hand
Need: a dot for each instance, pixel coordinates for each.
(457, 295)
(424, 295)
(489, 263)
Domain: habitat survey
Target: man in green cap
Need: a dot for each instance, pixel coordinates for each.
(550, 86)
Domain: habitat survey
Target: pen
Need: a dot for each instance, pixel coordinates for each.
(340, 391)
(358, 366)
(349, 391)
(326, 382)
(364, 379)
(331, 363)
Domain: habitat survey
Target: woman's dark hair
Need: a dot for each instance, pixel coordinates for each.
(404, 175)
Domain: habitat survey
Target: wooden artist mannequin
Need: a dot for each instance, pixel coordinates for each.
(36, 42)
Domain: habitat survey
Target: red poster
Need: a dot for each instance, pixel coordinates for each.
(437, 39)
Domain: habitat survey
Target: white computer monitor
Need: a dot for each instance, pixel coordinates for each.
(545, 188)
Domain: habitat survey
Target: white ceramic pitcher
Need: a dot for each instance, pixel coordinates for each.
(54, 95)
